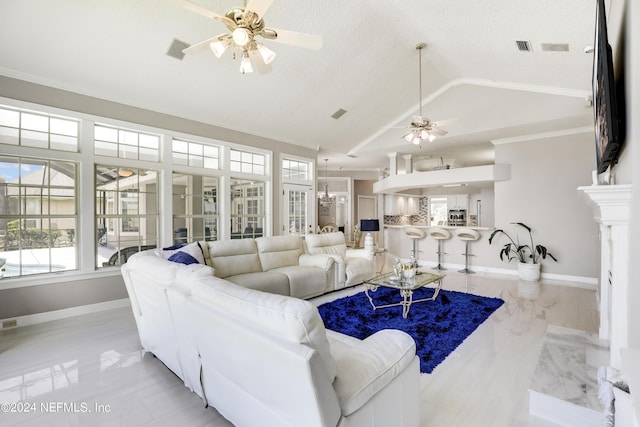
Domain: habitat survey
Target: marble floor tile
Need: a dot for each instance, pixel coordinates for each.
(97, 360)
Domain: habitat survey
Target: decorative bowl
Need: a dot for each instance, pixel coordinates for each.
(409, 274)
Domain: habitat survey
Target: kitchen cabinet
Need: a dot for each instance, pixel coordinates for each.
(458, 201)
(413, 205)
(396, 204)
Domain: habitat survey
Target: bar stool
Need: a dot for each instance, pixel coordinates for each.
(440, 234)
(415, 234)
(467, 235)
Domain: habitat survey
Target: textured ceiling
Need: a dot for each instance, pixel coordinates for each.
(472, 70)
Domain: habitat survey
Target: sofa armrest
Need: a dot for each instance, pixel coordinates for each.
(366, 367)
(359, 253)
(318, 260)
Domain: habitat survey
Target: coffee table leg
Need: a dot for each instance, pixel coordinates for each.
(407, 299)
(373, 288)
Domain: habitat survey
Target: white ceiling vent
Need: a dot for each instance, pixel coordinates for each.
(339, 113)
(555, 47)
(524, 46)
(175, 50)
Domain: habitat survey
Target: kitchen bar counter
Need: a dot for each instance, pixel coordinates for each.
(486, 257)
(447, 227)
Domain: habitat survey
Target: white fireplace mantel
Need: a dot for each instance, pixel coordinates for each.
(612, 211)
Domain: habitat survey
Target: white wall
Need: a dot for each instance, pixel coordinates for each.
(542, 193)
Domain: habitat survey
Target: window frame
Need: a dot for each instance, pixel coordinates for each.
(86, 230)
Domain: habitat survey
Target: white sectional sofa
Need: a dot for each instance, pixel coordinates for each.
(277, 264)
(265, 359)
(353, 266)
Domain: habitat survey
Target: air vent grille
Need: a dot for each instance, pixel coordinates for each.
(524, 46)
(175, 50)
(339, 113)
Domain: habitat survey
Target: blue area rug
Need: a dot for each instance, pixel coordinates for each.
(438, 327)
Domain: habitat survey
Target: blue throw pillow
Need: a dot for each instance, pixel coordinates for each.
(189, 254)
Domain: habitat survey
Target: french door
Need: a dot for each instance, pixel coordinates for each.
(298, 210)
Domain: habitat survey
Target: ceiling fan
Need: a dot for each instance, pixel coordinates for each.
(245, 25)
(421, 128)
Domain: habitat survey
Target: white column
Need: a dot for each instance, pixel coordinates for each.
(393, 165)
(408, 166)
(604, 290)
(612, 210)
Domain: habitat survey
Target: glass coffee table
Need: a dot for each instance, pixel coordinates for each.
(406, 288)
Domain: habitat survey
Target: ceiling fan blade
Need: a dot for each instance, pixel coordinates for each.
(308, 41)
(259, 7)
(206, 12)
(203, 45)
(258, 63)
(445, 122)
(198, 9)
(440, 132)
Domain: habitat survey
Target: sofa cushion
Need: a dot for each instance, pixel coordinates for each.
(184, 254)
(304, 282)
(279, 251)
(358, 270)
(288, 318)
(326, 243)
(233, 257)
(267, 281)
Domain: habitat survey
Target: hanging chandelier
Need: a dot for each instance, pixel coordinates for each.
(326, 199)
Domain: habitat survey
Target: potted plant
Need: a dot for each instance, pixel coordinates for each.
(528, 255)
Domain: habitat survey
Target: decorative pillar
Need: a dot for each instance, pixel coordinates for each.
(393, 165)
(612, 211)
(408, 166)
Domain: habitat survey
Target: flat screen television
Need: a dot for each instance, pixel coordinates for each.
(606, 109)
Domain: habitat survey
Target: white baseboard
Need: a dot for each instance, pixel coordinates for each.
(568, 280)
(32, 319)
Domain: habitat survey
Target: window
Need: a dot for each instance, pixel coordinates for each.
(246, 162)
(126, 212)
(195, 154)
(297, 179)
(41, 202)
(126, 144)
(247, 208)
(38, 215)
(39, 130)
(195, 208)
(295, 170)
(438, 209)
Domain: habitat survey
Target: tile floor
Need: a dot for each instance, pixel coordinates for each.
(90, 370)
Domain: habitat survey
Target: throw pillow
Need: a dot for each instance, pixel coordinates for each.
(188, 254)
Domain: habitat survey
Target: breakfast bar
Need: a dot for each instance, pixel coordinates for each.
(483, 256)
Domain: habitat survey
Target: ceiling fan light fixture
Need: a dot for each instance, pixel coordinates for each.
(409, 137)
(267, 54)
(431, 137)
(219, 47)
(245, 64)
(241, 36)
(424, 134)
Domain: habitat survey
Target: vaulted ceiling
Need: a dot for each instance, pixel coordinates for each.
(472, 70)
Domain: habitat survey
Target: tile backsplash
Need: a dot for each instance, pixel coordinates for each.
(421, 219)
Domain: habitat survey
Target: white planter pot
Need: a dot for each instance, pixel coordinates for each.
(529, 272)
